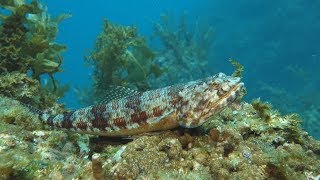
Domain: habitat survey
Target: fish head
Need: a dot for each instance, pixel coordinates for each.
(204, 98)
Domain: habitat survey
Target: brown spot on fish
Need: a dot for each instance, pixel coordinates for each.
(174, 102)
(81, 125)
(157, 111)
(139, 117)
(100, 123)
(50, 120)
(66, 124)
(143, 116)
(133, 103)
(135, 117)
(97, 110)
(120, 122)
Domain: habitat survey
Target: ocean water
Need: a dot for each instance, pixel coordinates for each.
(80, 31)
(276, 41)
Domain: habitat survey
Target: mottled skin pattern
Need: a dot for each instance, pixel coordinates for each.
(188, 105)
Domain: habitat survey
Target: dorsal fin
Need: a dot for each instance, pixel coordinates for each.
(117, 92)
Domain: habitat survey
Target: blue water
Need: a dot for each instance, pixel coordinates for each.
(276, 41)
(80, 31)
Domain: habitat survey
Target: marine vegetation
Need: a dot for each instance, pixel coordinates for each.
(286, 101)
(185, 49)
(121, 58)
(238, 68)
(27, 51)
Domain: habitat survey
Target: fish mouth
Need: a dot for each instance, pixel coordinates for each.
(228, 97)
(224, 100)
(211, 108)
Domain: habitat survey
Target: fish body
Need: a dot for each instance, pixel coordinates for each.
(188, 105)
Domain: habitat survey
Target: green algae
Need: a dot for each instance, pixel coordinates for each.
(19, 86)
(27, 51)
(263, 109)
(29, 90)
(239, 68)
(27, 39)
(185, 51)
(11, 112)
(121, 58)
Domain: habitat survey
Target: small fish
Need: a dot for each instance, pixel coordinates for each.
(187, 105)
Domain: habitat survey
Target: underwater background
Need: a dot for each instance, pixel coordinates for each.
(59, 56)
(276, 41)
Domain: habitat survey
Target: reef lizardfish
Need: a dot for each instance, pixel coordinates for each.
(188, 105)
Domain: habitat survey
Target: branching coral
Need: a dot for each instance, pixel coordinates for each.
(121, 58)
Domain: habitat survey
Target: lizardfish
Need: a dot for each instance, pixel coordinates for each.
(188, 105)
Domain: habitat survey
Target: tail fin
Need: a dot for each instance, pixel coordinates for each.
(32, 109)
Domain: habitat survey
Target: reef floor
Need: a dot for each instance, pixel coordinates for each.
(242, 142)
